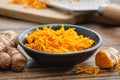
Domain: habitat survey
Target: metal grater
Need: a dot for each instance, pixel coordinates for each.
(77, 5)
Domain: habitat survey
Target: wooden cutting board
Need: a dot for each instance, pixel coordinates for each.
(49, 15)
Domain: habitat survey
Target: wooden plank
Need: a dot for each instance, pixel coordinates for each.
(49, 15)
(34, 71)
(42, 16)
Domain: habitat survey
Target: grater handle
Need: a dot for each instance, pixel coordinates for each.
(111, 11)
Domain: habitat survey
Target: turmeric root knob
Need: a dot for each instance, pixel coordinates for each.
(19, 61)
(5, 60)
(9, 38)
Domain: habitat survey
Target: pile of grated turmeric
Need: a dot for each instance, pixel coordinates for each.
(58, 41)
(31, 3)
(35, 3)
(108, 59)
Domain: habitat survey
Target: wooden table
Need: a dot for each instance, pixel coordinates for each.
(33, 71)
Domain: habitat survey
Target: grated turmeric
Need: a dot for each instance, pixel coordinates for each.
(31, 3)
(109, 58)
(88, 69)
(59, 41)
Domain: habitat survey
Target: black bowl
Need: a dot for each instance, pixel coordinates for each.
(58, 59)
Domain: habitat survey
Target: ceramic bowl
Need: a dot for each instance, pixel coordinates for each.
(67, 59)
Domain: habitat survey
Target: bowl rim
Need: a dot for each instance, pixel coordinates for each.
(70, 53)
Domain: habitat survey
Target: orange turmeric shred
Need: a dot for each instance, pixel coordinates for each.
(88, 69)
(19, 1)
(31, 3)
(58, 41)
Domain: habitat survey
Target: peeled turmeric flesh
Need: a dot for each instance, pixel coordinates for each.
(103, 60)
(109, 58)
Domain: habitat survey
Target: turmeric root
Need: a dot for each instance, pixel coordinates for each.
(5, 60)
(10, 38)
(19, 61)
(10, 56)
(109, 58)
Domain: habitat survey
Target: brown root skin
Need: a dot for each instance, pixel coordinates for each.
(2, 47)
(118, 68)
(19, 61)
(5, 60)
(10, 38)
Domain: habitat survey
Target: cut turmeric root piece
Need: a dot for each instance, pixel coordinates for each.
(103, 60)
(109, 58)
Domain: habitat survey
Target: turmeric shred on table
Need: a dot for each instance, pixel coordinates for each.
(58, 41)
(92, 70)
(31, 3)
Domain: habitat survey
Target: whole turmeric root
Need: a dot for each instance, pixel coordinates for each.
(109, 58)
(10, 56)
(19, 61)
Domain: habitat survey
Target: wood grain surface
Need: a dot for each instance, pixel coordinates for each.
(50, 15)
(34, 71)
